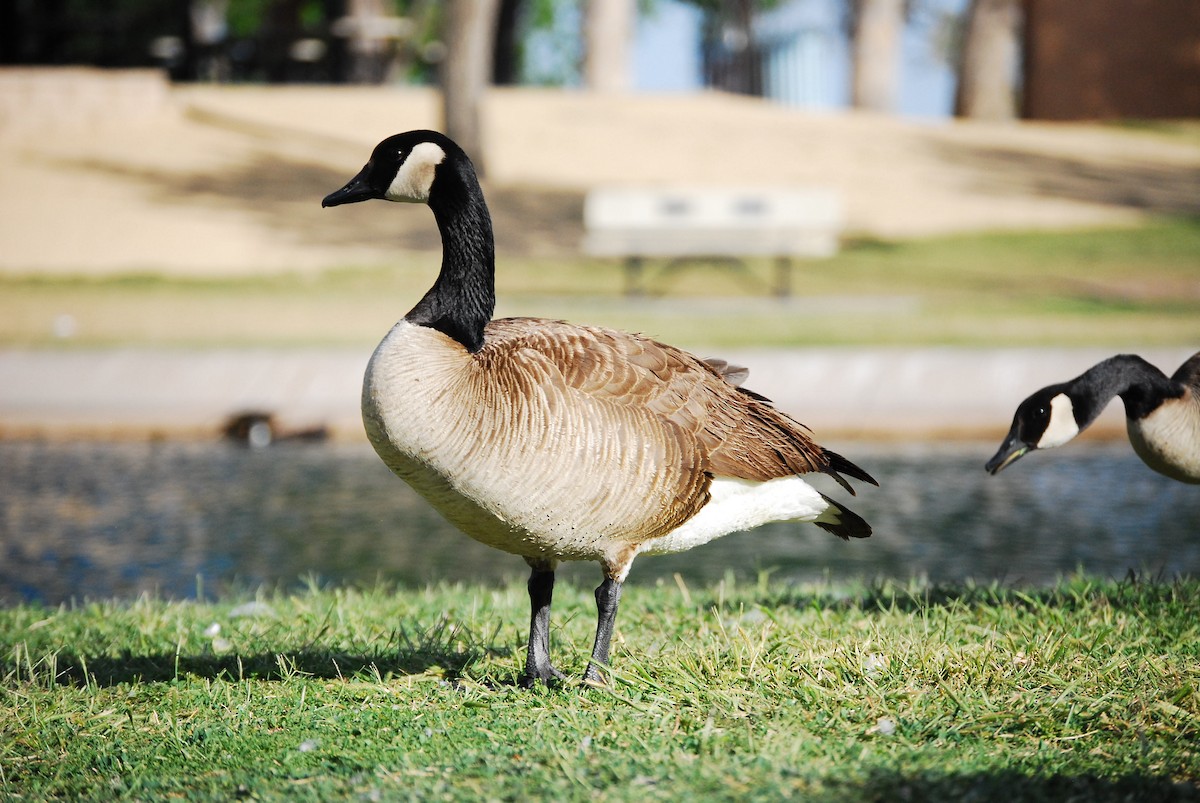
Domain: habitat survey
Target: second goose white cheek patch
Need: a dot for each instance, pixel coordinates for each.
(1062, 425)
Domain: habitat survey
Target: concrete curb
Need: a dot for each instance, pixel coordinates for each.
(841, 393)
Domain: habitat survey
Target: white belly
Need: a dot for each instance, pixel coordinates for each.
(738, 505)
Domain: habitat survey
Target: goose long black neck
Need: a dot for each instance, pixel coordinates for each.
(1141, 386)
(462, 300)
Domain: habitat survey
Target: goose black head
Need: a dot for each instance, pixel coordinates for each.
(402, 168)
(1046, 419)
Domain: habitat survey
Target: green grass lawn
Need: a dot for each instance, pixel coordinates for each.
(1137, 286)
(1086, 691)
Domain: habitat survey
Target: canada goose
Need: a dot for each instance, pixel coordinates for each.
(1162, 415)
(560, 442)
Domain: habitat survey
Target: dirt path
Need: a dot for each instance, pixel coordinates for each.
(229, 179)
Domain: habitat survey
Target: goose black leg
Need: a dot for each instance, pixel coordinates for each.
(537, 658)
(608, 596)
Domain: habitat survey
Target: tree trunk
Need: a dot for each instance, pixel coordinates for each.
(469, 33)
(989, 61)
(607, 31)
(506, 60)
(732, 58)
(280, 27)
(878, 25)
(366, 40)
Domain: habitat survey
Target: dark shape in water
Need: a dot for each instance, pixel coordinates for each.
(257, 429)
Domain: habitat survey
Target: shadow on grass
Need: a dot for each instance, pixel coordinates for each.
(1149, 186)
(1131, 594)
(440, 650)
(285, 194)
(81, 670)
(1011, 786)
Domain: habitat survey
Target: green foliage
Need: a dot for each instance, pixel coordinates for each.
(1083, 691)
(245, 17)
(723, 7)
(555, 24)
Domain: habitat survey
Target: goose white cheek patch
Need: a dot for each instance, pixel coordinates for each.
(415, 177)
(1062, 426)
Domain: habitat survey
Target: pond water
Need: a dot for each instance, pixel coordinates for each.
(180, 520)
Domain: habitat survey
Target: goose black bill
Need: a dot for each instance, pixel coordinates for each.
(1010, 451)
(356, 189)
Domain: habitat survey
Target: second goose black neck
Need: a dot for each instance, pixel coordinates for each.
(1141, 386)
(462, 300)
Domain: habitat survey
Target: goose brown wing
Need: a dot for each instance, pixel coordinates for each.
(644, 473)
(1189, 374)
(721, 429)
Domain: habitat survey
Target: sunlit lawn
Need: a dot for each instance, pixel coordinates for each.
(1135, 286)
(1087, 691)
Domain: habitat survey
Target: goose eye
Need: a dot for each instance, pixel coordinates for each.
(1032, 426)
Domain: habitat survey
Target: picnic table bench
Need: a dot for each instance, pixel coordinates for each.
(723, 225)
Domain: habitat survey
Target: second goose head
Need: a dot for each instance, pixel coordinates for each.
(1162, 414)
(1048, 418)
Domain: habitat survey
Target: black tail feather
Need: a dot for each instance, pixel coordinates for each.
(839, 465)
(847, 525)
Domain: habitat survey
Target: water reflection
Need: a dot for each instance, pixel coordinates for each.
(92, 520)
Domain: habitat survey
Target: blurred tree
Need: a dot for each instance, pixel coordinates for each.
(731, 55)
(204, 55)
(370, 30)
(876, 28)
(734, 62)
(10, 27)
(551, 49)
(469, 31)
(608, 27)
(418, 55)
(988, 61)
(506, 53)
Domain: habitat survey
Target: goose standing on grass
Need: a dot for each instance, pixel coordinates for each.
(560, 442)
(1162, 414)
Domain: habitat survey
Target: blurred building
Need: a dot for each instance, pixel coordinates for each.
(1105, 59)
